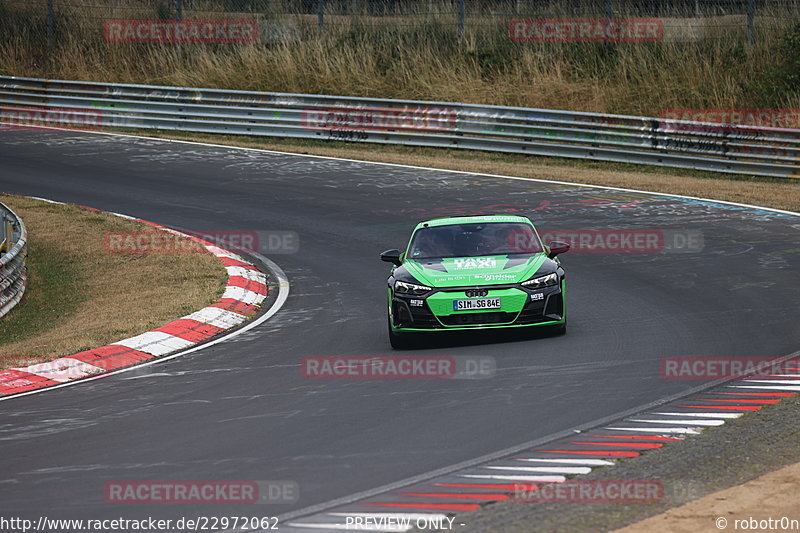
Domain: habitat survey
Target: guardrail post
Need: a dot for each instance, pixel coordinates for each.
(3, 235)
(460, 20)
(13, 248)
(50, 30)
(9, 233)
(609, 9)
(321, 14)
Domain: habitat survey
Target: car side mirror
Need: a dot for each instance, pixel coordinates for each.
(392, 256)
(557, 247)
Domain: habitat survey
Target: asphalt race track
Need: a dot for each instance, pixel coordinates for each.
(242, 410)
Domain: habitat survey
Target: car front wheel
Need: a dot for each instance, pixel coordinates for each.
(399, 341)
(561, 329)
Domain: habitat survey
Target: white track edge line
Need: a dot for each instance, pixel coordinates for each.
(400, 165)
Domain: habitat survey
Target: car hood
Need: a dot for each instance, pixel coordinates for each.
(464, 271)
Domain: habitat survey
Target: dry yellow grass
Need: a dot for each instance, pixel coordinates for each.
(80, 296)
(422, 58)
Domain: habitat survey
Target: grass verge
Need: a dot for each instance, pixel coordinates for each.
(768, 192)
(80, 296)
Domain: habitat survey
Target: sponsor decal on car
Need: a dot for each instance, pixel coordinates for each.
(474, 262)
(496, 277)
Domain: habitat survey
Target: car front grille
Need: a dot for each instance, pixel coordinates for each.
(472, 319)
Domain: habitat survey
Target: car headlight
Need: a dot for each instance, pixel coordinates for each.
(541, 281)
(401, 287)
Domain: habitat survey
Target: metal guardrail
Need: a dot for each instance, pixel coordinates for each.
(13, 272)
(750, 150)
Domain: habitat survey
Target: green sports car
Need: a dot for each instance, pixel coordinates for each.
(477, 272)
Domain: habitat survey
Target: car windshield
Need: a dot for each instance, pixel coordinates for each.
(474, 239)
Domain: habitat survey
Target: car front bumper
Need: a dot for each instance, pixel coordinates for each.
(520, 307)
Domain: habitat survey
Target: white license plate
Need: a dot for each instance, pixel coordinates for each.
(476, 303)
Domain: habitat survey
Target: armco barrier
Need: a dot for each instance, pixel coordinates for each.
(750, 150)
(13, 273)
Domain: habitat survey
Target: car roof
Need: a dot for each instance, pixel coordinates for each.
(447, 221)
